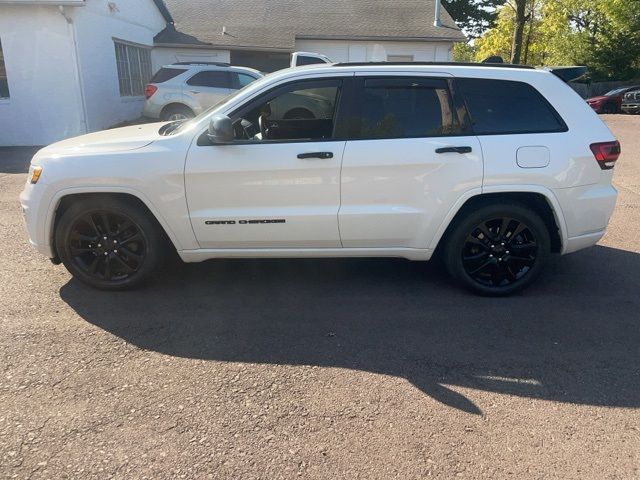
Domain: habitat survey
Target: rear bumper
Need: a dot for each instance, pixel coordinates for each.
(152, 109)
(587, 211)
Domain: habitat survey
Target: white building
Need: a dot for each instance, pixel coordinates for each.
(68, 67)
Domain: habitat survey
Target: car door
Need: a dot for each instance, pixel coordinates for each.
(407, 161)
(208, 87)
(278, 184)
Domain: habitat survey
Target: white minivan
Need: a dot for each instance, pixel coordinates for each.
(491, 168)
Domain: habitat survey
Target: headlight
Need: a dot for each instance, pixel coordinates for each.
(34, 173)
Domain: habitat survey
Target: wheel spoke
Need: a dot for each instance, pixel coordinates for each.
(519, 229)
(135, 237)
(104, 220)
(122, 263)
(523, 246)
(80, 250)
(130, 254)
(481, 267)
(91, 222)
(485, 231)
(475, 257)
(504, 228)
(477, 242)
(93, 266)
(107, 267)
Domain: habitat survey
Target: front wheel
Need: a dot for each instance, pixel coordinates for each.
(497, 249)
(108, 243)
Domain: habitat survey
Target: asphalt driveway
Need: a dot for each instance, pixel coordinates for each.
(322, 368)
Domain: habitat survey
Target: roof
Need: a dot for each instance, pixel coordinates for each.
(275, 25)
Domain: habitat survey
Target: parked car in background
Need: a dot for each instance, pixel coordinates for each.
(631, 102)
(610, 102)
(183, 90)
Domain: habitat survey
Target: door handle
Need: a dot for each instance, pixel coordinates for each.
(454, 150)
(320, 155)
(194, 92)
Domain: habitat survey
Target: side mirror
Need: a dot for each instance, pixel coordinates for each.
(221, 130)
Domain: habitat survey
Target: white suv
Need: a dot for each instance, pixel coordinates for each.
(184, 90)
(491, 168)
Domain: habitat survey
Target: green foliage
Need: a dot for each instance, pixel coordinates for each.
(602, 34)
(464, 52)
(473, 16)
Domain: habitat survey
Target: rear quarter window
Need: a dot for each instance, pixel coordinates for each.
(499, 107)
(165, 74)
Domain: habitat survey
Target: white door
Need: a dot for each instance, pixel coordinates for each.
(408, 165)
(208, 87)
(278, 183)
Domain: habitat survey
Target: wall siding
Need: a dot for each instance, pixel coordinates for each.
(351, 51)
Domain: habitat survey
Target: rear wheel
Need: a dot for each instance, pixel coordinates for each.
(109, 243)
(173, 113)
(498, 249)
(609, 108)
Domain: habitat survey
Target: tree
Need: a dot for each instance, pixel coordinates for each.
(473, 16)
(601, 34)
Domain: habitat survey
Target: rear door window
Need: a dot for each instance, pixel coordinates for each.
(211, 79)
(165, 74)
(499, 107)
(242, 80)
(403, 107)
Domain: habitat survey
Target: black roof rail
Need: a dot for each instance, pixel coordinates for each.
(216, 64)
(432, 64)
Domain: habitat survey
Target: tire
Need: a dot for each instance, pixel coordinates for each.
(608, 109)
(485, 262)
(109, 243)
(175, 112)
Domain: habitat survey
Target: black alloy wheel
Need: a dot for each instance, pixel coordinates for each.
(497, 249)
(499, 252)
(109, 243)
(108, 246)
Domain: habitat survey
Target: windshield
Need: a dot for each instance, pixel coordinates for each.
(221, 104)
(617, 91)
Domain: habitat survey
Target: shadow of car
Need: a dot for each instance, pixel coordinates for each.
(573, 337)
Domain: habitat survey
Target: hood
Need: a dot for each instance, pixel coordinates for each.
(597, 99)
(106, 141)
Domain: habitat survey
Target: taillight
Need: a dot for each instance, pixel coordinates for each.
(606, 154)
(149, 90)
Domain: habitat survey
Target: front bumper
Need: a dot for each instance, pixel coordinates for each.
(631, 108)
(34, 213)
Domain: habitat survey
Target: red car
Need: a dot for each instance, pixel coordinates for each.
(611, 101)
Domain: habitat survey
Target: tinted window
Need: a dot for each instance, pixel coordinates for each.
(244, 79)
(211, 78)
(403, 108)
(165, 74)
(500, 106)
(300, 111)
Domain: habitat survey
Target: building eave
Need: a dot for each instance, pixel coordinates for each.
(212, 46)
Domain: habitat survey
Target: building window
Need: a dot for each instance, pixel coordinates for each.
(4, 85)
(134, 69)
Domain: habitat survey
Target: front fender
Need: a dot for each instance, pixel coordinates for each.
(48, 225)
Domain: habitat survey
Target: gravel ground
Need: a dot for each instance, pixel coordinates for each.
(322, 368)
